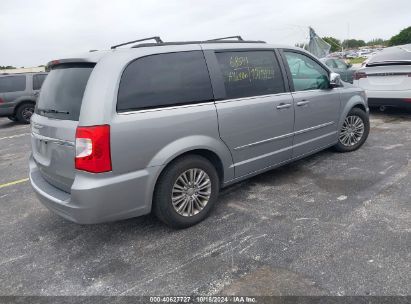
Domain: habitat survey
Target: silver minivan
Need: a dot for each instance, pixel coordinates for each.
(18, 95)
(164, 126)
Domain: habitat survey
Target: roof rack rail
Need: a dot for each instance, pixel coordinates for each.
(218, 40)
(239, 38)
(156, 38)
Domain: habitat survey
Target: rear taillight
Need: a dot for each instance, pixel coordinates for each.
(359, 75)
(93, 149)
(1, 100)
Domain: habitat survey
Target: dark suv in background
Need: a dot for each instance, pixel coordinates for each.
(18, 94)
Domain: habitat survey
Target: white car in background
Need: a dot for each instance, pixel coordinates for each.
(386, 78)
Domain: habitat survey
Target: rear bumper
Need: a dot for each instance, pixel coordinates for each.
(388, 94)
(96, 199)
(390, 102)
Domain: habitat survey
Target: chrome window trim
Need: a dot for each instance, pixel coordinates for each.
(202, 103)
(252, 97)
(166, 108)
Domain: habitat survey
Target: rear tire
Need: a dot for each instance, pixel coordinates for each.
(179, 203)
(354, 131)
(24, 112)
(12, 118)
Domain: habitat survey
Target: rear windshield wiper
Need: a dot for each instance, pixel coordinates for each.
(53, 111)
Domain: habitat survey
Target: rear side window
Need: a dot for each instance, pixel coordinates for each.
(12, 83)
(62, 92)
(38, 81)
(164, 80)
(250, 73)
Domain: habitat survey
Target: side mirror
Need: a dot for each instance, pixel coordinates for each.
(335, 80)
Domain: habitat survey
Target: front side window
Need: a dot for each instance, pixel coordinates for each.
(12, 84)
(306, 73)
(253, 73)
(38, 81)
(165, 80)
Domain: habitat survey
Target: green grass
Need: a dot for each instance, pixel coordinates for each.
(356, 60)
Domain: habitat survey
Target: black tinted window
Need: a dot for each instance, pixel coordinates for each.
(12, 83)
(164, 80)
(250, 73)
(62, 92)
(38, 81)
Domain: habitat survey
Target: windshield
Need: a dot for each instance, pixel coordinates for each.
(62, 91)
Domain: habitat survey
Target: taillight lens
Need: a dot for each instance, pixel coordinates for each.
(93, 149)
(359, 75)
(1, 100)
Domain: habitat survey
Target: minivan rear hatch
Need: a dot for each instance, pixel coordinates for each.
(55, 121)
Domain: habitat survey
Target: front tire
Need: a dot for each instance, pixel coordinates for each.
(24, 112)
(354, 131)
(186, 191)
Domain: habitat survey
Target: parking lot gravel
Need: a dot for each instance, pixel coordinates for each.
(329, 224)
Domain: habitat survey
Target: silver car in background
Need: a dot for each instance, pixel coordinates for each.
(18, 95)
(163, 126)
(386, 78)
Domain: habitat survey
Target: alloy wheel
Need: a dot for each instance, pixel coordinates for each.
(191, 192)
(352, 131)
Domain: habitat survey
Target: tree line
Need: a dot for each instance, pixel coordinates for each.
(403, 37)
(6, 67)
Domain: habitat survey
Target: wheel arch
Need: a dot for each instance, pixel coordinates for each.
(224, 172)
(209, 147)
(356, 101)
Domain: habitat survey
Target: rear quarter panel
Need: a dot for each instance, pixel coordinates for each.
(151, 138)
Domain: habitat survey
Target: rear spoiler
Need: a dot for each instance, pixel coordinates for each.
(53, 63)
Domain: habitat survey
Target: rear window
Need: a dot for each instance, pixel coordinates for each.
(164, 80)
(396, 54)
(38, 81)
(62, 91)
(12, 83)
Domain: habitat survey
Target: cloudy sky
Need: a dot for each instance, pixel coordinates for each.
(35, 32)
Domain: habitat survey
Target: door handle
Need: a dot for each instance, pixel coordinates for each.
(303, 103)
(283, 106)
